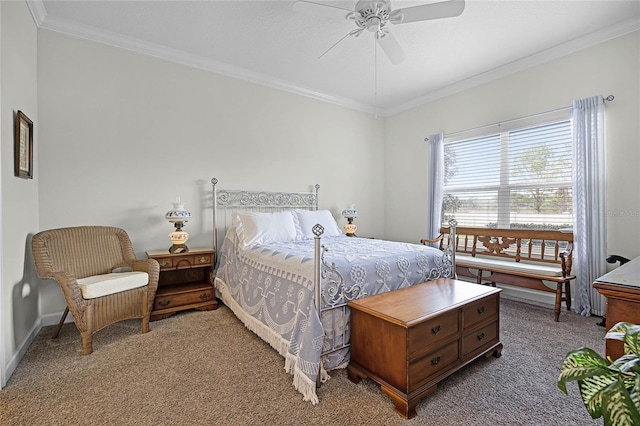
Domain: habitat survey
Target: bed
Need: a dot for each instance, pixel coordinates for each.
(287, 271)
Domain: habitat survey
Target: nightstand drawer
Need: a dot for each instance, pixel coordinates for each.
(166, 263)
(175, 296)
(185, 261)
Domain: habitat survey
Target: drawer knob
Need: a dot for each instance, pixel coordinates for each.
(436, 329)
(205, 296)
(204, 259)
(481, 310)
(480, 336)
(164, 303)
(165, 264)
(435, 361)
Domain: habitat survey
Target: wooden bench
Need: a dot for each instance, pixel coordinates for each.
(517, 257)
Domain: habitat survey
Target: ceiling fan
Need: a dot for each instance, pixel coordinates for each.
(376, 15)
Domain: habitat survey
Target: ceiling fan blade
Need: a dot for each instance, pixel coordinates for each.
(445, 9)
(391, 47)
(320, 9)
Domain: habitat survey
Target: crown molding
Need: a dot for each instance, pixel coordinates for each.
(43, 21)
(530, 61)
(135, 45)
(37, 10)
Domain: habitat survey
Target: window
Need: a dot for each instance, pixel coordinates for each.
(519, 178)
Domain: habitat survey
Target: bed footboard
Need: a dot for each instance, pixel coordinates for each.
(330, 292)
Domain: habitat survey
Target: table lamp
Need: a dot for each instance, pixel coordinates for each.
(178, 216)
(350, 213)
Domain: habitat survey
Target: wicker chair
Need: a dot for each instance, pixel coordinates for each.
(100, 277)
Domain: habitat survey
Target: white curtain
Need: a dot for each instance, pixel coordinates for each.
(436, 187)
(589, 203)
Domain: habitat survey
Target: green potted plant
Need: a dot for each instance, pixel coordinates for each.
(609, 389)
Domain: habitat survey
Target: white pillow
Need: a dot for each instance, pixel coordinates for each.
(308, 218)
(264, 228)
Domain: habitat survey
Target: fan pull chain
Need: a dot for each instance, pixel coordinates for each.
(375, 77)
(334, 45)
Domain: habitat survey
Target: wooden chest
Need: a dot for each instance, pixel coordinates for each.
(410, 339)
(185, 282)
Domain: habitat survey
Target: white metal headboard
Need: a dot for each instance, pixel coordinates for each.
(227, 202)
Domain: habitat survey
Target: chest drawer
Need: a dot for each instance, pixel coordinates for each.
(480, 311)
(429, 366)
(475, 340)
(424, 336)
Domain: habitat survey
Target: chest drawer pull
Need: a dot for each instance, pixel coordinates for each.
(435, 361)
(436, 329)
(481, 310)
(205, 296)
(480, 336)
(164, 303)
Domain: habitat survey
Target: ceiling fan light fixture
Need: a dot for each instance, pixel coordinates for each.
(374, 24)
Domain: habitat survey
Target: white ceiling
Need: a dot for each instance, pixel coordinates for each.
(269, 43)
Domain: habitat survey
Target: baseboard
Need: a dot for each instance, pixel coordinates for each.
(538, 297)
(22, 349)
(43, 321)
(53, 319)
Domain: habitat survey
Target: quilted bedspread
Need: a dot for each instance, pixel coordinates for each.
(270, 288)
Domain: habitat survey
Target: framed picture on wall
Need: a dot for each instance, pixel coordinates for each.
(23, 146)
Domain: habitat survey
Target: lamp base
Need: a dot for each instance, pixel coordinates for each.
(178, 248)
(350, 228)
(178, 240)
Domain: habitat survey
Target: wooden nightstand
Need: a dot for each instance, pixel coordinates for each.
(185, 282)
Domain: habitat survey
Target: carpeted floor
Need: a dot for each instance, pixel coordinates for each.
(205, 368)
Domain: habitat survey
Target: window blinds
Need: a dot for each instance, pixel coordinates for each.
(519, 178)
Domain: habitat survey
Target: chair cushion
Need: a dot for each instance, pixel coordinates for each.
(486, 264)
(103, 285)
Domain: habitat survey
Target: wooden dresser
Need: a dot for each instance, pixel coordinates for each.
(410, 339)
(185, 281)
(621, 287)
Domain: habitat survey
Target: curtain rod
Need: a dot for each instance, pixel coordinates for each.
(608, 98)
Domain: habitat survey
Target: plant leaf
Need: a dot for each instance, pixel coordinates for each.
(634, 393)
(610, 391)
(618, 330)
(631, 344)
(592, 390)
(580, 364)
(617, 407)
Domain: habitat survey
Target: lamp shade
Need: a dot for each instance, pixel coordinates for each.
(350, 211)
(178, 213)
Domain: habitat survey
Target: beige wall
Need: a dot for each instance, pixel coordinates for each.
(19, 292)
(122, 135)
(612, 68)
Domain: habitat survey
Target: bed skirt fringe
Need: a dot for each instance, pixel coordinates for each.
(300, 382)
